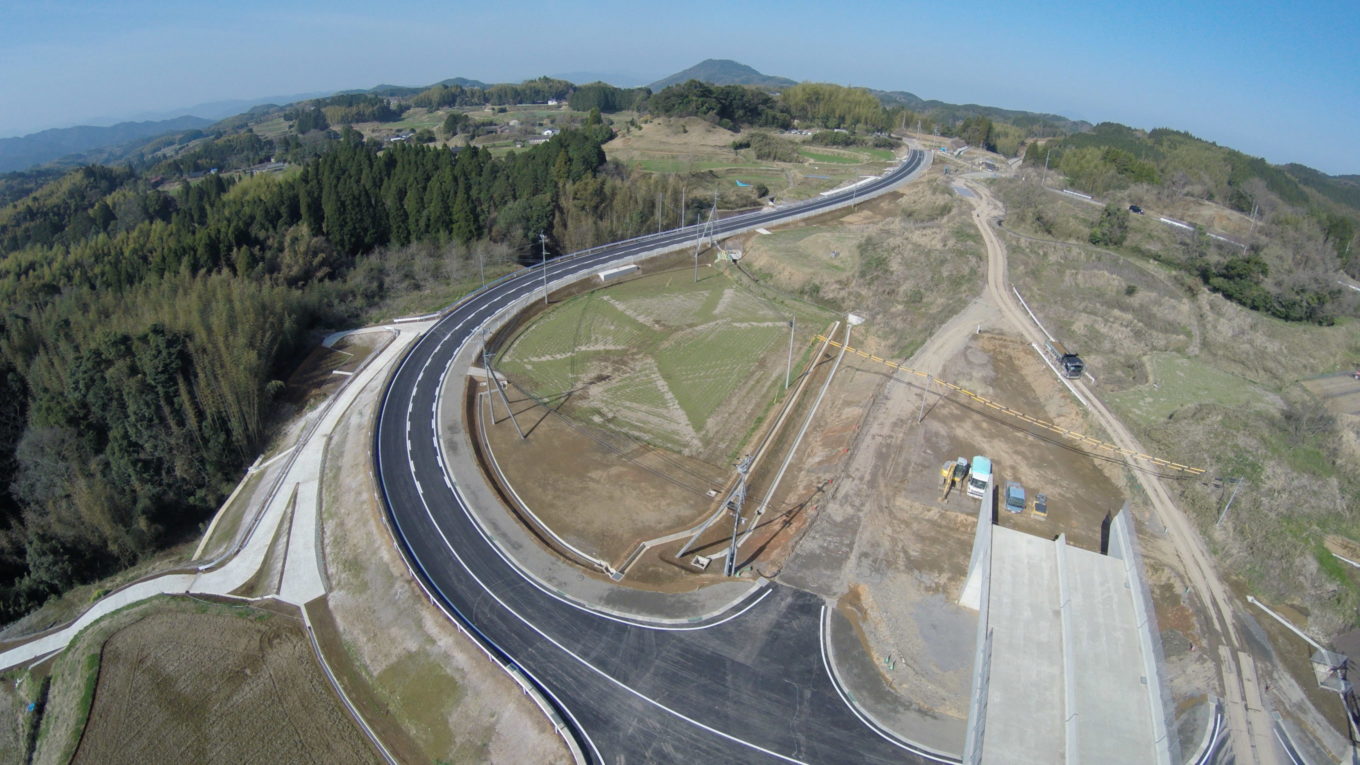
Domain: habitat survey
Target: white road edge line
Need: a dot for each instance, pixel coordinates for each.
(542, 587)
(835, 683)
(457, 622)
(582, 661)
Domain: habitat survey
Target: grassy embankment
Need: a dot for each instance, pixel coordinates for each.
(1206, 382)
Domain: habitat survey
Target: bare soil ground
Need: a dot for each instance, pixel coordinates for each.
(623, 491)
(887, 546)
(430, 693)
(215, 687)
(607, 492)
(1339, 392)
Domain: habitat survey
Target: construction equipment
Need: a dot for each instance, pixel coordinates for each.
(952, 474)
(1070, 363)
(1040, 508)
(980, 477)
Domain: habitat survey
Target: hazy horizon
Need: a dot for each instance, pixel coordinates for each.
(1255, 77)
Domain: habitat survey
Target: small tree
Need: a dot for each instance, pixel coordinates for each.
(1112, 228)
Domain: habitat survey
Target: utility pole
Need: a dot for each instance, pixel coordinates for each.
(1237, 484)
(708, 229)
(496, 383)
(481, 267)
(1046, 154)
(788, 367)
(543, 248)
(738, 497)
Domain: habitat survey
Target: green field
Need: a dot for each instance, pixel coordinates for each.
(839, 159)
(658, 357)
(1177, 381)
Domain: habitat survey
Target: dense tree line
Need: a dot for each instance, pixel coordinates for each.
(307, 120)
(728, 106)
(537, 91)
(835, 106)
(1112, 156)
(607, 98)
(769, 148)
(145, 331)
(348, 108)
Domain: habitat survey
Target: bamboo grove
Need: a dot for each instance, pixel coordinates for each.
(145, 331)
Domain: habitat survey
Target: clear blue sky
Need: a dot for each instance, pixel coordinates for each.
(1276, 80)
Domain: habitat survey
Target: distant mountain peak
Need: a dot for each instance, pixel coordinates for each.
(722, 71)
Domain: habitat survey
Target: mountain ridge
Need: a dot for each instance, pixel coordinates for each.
(722, 71)
(33, 149)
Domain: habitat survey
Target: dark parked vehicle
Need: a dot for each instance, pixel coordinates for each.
(1041, 505)
(1135, 209)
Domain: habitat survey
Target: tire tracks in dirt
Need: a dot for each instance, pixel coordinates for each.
(1248, 721)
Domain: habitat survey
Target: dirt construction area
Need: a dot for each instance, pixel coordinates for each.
(858, 517)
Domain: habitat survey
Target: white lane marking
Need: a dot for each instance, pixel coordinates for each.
(447, 335)
(538, 684)
(821, 640)
(1285, 747)
(443, 468)
(1213, 739)
(583, 662)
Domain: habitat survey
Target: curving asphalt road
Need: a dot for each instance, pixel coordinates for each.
(751, 685)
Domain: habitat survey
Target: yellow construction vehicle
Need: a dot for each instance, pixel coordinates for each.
(951, 475)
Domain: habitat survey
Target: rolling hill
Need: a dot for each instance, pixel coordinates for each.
(36, 148)
(722, 71)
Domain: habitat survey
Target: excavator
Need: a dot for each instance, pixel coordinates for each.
(951, 475)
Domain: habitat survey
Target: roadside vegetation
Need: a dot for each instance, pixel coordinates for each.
(117, 691)
(1208, 382)
(154, 308)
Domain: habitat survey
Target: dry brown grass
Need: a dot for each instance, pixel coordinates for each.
(216, 686)
(180, 680)
(408, 665)
(1132, 320)
(907, 262)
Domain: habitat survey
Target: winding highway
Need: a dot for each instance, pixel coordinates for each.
(753, 684)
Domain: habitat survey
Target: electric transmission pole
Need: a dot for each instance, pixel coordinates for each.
(735, 502)
(543, 249)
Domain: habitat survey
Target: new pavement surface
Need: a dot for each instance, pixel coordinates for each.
(751, 685)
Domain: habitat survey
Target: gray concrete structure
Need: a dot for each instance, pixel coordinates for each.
(1072, 656)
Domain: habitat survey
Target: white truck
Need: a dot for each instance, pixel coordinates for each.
(980, 477)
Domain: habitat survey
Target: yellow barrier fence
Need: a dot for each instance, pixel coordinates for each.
(1072, 434)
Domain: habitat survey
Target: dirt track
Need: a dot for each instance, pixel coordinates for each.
(1248, 723)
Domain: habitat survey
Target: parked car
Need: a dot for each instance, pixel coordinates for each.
(1041, 505)
(1015, 497)
(1135, 209)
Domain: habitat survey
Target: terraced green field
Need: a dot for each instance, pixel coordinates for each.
(660, 357)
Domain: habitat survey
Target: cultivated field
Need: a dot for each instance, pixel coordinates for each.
(693, 146)
(663, 359)
(178, 680)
